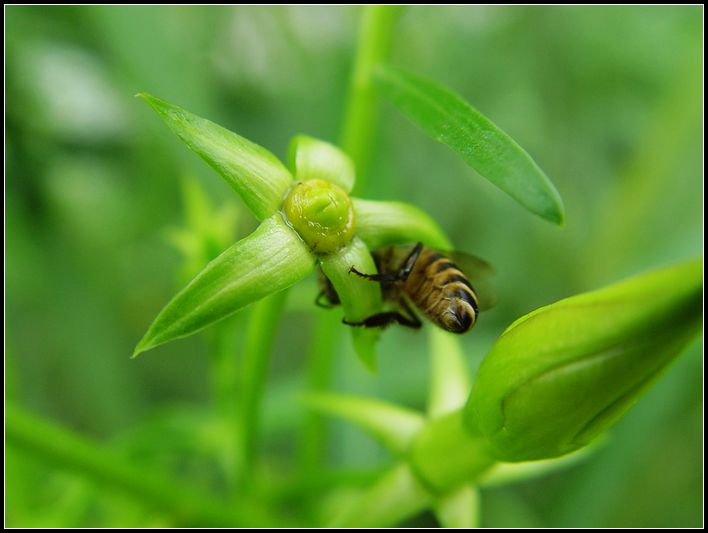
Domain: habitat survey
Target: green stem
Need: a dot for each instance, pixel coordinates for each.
(260, 331)
(224, 387)
(313, 436)
(223, 371)
(361, 113)
(360, 118)
(63, 448)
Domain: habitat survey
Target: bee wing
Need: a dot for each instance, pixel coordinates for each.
(479, 272)
(474, 267)
(391, 256)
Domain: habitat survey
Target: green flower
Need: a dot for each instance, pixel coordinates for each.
(307, 219)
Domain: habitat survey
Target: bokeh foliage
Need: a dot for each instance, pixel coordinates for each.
(606, 99)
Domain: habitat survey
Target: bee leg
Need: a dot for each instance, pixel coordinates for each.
(402, 273)
(415, 322)
(381, 320)
(324, 304)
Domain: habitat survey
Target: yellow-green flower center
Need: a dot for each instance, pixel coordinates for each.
(322, 213)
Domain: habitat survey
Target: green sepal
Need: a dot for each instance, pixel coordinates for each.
(563, 374)
(271, 259)
(391, 425)
(383, 223)
(459, 509)
(258, 177)
(360, 298)
(310, 158)
(509, 473)
(395, 496)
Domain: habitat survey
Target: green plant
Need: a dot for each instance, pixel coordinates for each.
(554, 381)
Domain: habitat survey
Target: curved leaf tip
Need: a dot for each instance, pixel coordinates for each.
(271, 259)
(447, 118)
(256, 175)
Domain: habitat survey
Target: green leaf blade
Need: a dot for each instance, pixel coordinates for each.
(271, 259)
(449, 119)
(258, 177)
(393, 426)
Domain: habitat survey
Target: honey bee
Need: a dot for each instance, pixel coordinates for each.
(429, 279)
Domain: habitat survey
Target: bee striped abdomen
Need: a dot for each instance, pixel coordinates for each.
(442, 292)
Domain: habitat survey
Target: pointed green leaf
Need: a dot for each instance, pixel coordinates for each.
(390, 424)
(459, 509)
(561, 375)
(397, 495)
(360, 298)
(110, 469)
(382, 223)
(450, 378)
(449, 119)
(258, 176)
(269, 260)
(310, 158)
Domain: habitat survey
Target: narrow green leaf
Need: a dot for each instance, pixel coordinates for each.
(561, 375)
(450, 378)
(257, 175)
(390, 424)
(269, 260)
(310, 158)
(62, 448)
(382, 223)
(449, 119)
(360, 298)
(459, 509)
(397, 495)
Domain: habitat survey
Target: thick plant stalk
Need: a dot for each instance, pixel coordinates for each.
(361, 112)
(260, 331)
(359, 121)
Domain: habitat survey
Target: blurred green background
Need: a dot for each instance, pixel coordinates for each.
(608, 100)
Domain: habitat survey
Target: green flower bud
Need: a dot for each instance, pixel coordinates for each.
(563, 374)
(322, 214)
